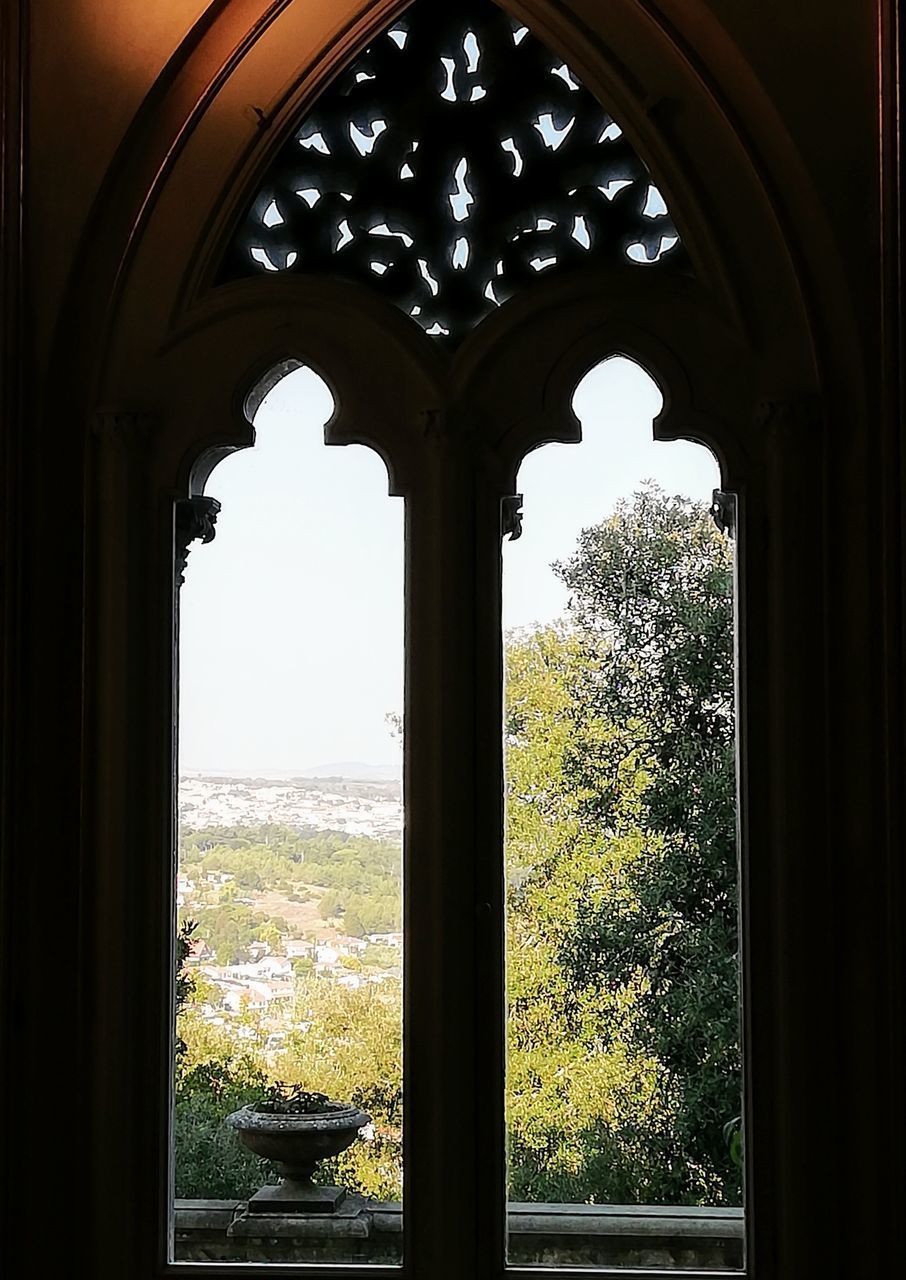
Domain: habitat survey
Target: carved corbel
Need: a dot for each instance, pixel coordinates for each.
(195, 521)
(511, 517)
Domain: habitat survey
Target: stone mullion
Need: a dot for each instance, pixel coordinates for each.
(497, 514)
(442, 1148)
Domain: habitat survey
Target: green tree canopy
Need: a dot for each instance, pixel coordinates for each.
(650, 768)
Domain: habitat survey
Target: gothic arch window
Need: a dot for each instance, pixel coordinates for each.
(453, 169)
(457, 172)
(452, 164)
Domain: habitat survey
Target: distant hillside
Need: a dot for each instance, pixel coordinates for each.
(353, 770)
(348, 770)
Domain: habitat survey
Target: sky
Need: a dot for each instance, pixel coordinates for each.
(291, 640)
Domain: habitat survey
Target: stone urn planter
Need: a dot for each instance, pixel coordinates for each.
(296, 1131)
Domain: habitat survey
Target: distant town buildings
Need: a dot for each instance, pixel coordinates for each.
(265, 983)
(353, 809)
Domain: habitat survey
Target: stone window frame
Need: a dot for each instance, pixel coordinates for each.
(452, 430)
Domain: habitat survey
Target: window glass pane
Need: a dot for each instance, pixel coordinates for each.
(289, 890)
(623, 1074)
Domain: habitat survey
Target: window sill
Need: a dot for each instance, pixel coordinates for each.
(368, 1231)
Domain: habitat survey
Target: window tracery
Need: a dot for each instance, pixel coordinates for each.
(454, 162)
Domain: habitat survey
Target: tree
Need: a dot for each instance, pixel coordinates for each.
(652, 594)
(209, 1161)
(270, 934)
(230, 929)
(351, 1049)
(623, 1065)
(352, 923)
(576, 1092)
(185, 981)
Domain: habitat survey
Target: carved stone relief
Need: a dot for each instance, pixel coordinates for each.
(453, 163)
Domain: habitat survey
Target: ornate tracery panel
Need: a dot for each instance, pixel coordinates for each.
(451, 165)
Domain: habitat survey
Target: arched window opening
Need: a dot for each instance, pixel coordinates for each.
(452, 165)
(624, 1083)
(289, 890)
(455, 165)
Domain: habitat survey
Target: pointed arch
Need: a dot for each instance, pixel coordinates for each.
(448, 165)
(146, 336)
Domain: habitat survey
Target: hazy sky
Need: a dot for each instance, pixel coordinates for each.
(292, 618)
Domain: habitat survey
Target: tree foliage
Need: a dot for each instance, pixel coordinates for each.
(345, 1043)
(210, 1163)
(622, 834)
(362, 876)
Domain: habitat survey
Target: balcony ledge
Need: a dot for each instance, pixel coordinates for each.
(369, 1231)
